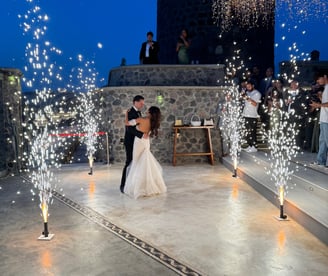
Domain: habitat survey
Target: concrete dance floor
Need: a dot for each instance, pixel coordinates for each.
(208, 223)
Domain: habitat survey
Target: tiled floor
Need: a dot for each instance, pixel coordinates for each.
(208, 223)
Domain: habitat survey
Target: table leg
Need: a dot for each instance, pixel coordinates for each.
(174, 161)
(209, 142)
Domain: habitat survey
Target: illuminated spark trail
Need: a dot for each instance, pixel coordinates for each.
(282, 145)
(233, 123)
(89, 125)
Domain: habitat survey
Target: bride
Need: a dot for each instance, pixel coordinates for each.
(144, 175)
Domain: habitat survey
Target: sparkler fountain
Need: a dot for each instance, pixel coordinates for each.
(249, 14)
(281, 139)
(41, 124)
(89, 125)
(42, 157)
(233, 124)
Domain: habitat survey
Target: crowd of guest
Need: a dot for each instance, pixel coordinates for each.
(264, 95)
(272, 94)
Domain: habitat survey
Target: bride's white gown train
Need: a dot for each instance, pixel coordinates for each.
(144, 175)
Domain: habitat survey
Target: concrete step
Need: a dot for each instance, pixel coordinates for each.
(307, 199)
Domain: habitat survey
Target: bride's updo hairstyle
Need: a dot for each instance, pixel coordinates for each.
(155, 118)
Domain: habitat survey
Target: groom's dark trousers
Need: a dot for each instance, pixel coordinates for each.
(130, 133)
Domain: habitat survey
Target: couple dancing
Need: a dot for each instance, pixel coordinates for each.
(142, 174)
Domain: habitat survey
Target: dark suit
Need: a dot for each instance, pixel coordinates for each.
(265, 84)
(300, 105)
(153, 53)
(130, 133)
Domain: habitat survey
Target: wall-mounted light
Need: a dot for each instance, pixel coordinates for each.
(159, 98)
(12, 79)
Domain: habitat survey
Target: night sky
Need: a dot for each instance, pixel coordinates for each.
(106, 31)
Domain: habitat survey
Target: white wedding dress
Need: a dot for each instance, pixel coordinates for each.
(144, 175)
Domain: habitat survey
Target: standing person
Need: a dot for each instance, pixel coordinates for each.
(256, 75)
(182, 48)
(252, 98)
(274, 95)
(273, 101)
(266, 82)
(263, 88)
(316, 96)
(145, 173)
(323, 138)
(130, 133)
(149, 50)
(297, 105)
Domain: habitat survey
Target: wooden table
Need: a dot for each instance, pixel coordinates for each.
(207, 130)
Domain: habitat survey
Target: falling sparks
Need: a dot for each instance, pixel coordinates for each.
(250, 14)
(233, 122)
(42, 157)
(291, 69)
(89, 125)
(84, 77)
(290, 14)
(43, 68)
(302, 10)
(282, 145)
(39, 71)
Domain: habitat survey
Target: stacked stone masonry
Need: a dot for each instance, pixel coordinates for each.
(175, 102)
(167, 75)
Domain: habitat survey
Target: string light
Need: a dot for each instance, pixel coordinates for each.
(255, 13)
(246, 13)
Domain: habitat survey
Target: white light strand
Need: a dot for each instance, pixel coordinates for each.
(250, 14)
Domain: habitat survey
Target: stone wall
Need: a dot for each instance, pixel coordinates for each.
(10, 120)
(174, 102)
(166, 75)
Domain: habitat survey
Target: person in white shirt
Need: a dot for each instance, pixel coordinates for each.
(323, 138)
(252, 98)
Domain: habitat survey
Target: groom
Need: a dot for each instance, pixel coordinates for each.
(130, 133)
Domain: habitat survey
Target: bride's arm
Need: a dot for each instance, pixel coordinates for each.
(139, 122)
(132, 122)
